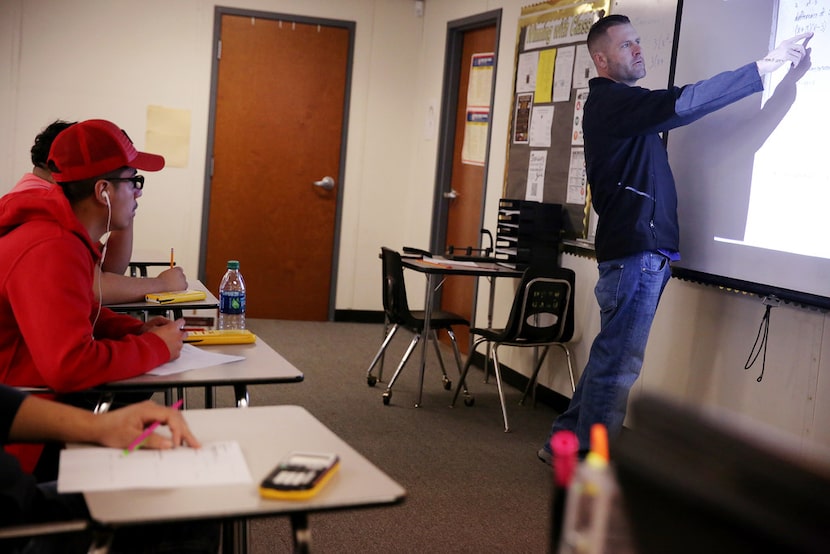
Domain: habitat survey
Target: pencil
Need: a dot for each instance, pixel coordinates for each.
(172, 262)
(136, 444)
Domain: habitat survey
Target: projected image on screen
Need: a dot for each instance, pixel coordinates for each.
(753, 179)
(792, 162)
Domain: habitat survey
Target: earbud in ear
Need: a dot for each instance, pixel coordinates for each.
(106, 196)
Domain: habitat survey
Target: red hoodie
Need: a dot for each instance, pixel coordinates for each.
(47, 306)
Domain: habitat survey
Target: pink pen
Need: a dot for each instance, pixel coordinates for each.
(136, 444)
(565, 447)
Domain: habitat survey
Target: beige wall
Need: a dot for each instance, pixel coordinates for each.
(78, 59)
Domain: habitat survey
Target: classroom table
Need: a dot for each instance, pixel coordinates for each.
(262, 365)
(266, 435)
(437, 266)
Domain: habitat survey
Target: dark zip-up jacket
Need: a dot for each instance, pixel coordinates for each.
(632, 187)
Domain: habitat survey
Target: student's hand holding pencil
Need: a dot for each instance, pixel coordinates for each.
(122, 427)
(172, 279)
(170, 332)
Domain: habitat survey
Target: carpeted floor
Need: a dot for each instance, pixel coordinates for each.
(471, 487)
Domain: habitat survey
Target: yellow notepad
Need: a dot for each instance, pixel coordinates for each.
(175, 297)
(225, 336)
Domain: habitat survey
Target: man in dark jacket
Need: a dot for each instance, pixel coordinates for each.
(633, 192)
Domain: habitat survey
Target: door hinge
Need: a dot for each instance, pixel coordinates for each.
(219, 50)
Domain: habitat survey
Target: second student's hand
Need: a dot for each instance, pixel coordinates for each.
(119, 428)
(171, 332)
(791, 50)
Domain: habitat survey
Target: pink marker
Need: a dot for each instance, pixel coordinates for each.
(564, 446)
(136, 444)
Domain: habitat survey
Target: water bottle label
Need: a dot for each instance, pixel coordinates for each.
(232, 302)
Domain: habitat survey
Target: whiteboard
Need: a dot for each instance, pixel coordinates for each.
(654, 21)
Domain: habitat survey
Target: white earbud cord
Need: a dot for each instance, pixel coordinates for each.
(101, 270)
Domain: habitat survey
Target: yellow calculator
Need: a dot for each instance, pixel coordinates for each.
(299, 476)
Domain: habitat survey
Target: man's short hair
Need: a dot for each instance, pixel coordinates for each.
(75, 191)
(599, 29)
(43, 142)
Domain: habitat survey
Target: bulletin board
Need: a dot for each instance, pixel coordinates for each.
(545, 151)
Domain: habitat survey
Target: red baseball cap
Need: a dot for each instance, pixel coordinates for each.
(96, 147)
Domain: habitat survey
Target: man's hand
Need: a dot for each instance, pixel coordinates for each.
(788, 51)
(172, 279)
(119, 428)
(169, 331)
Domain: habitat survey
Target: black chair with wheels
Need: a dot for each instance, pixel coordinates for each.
(399, 315)
(541, 316)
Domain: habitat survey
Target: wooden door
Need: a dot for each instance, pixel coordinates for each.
(279, 123)
(464, 216)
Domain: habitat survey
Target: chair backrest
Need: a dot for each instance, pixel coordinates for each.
(394, 289)
(542, 310)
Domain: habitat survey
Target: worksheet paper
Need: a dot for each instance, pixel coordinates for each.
(109, 469)
(192, 357)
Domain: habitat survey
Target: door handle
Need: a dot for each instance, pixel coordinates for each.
(326, 183)
(451, 195)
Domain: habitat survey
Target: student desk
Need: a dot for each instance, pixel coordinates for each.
(209, 303)
(266, 434)
(441, 268)
(262, 365)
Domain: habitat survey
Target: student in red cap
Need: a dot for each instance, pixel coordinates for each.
(115, 286)
(53, 332)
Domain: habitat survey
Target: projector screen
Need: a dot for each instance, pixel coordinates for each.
(753, 179)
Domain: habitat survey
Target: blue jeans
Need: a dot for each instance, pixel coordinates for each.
(628, 291)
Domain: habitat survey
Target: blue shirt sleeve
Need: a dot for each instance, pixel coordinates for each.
(705, 97)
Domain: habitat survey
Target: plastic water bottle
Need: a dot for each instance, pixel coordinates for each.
(232, 298)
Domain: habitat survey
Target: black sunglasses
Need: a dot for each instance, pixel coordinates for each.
(136, 180)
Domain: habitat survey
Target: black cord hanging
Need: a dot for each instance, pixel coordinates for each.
(763, 336)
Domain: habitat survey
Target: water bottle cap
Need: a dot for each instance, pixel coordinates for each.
(233, 264)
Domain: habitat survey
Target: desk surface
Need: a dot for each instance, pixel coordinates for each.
(262, 365)
(448, 267)
(209, 302)
(266, 435)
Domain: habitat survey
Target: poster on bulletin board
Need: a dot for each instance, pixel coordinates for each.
(545, 159)
(477, 121)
